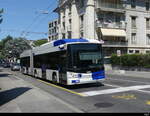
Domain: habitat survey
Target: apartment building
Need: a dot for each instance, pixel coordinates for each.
(122, 24)
(138, 22)
(53, 30)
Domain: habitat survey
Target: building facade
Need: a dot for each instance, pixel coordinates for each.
(53, 30)
(122, 24)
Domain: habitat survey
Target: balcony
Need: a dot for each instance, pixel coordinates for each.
(111, 5)
(115, 25)
(115, 44)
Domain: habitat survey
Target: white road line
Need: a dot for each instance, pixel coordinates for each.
(128, 81)
(111, 85)
(116, 90)
(143, 91)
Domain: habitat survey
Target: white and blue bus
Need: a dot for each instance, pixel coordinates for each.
(66, 61)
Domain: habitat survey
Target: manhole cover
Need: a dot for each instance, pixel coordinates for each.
(103, 105)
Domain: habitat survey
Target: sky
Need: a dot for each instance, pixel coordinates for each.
(26, 15)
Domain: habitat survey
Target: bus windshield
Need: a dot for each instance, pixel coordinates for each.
(85, 57)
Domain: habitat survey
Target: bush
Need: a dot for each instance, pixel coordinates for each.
(132, 60)
(115, 59)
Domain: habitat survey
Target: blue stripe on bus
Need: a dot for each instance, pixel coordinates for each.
(64, 41)
(98, 75)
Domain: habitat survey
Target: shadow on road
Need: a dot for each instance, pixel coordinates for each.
(78, 86)
(7, 96)
(90, 85)
(4, 75)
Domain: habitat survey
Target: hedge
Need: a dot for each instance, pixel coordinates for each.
(131, 60)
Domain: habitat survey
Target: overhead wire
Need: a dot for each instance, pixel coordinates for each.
(35, 20)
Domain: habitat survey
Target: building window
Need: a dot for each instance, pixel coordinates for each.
(133, 22)
(81, 21)
(69, 34)
(133, 38)
(147, 4)
(147, 23)
(64, 25)
(118, 18)
(50, 32)
(70, 10)
(82, 4)
(137, 51)
(70, 21)
(49, 38)
(50, 25)
(133, 3)
(81, 34)
(147, 52)
(148, 39)
(63, 36)
(55, 23)
(130, 51)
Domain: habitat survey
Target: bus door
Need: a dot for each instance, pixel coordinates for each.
(44, 71)
(62, 68)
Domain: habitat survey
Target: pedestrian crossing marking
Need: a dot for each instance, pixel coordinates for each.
(115, 90)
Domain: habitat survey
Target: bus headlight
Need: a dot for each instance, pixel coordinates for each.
(72, 75)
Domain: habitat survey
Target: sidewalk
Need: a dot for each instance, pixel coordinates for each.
(141, 74)
(16, 95)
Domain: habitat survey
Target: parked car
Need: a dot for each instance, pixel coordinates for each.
(15, 67)
(6, 65)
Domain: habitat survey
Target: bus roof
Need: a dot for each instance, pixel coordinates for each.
(46, 48)
(81, 40)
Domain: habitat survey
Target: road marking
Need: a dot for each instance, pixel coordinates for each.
(144, 91)
(128, 80)
(148, 102)
(64, 89)
(115, 90)
(125, 96)
(112, 85)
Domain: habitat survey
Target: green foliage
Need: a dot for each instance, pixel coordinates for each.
(131, 60)
(13, 47)
(40, 42)
(1, 56)
(5, 40)
(115, 59)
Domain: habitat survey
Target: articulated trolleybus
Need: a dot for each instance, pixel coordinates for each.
(66, 61)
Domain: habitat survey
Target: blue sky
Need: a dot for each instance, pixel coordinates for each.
(26, 15)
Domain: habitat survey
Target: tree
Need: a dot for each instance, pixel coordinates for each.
(40, 42)
(4, 41)
(15, 47)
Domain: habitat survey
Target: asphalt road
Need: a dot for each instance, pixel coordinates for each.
(117, 94)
